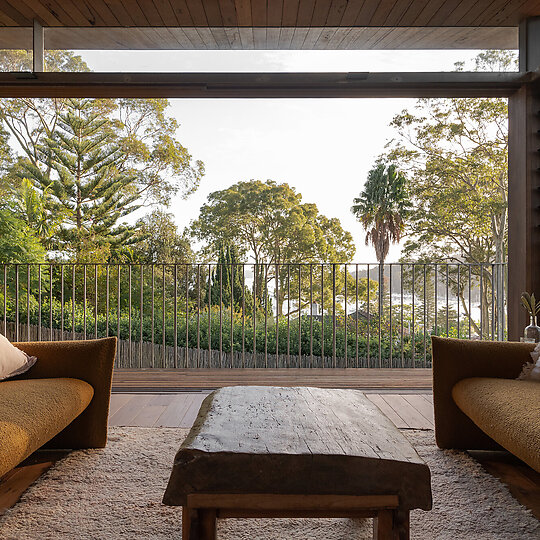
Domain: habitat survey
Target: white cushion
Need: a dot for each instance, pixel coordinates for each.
(13, 361)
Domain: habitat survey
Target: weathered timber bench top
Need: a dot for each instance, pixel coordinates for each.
(255, 439)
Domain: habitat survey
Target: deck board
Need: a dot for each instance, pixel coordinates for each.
(176, 380)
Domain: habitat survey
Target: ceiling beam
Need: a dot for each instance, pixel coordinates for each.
(261, 85)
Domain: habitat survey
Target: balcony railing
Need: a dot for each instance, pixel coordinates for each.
(257, 315)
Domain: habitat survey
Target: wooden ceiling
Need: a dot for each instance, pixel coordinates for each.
(266, 24)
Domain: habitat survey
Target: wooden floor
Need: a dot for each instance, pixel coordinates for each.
(407, 409)
(413, 411)
(181, 380)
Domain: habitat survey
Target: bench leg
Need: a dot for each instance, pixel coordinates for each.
(391, 525)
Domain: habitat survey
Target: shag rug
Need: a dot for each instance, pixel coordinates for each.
(115, 493)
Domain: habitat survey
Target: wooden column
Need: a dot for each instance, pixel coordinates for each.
(523, 203)
(524, 182)
(38, 40)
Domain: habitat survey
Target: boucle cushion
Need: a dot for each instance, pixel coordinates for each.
(33, 411)
(505, 409)
(13, 361)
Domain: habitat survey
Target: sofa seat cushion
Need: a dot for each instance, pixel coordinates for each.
(505, 409)
(33, 411)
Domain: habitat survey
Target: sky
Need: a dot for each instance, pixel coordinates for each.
(323, 148)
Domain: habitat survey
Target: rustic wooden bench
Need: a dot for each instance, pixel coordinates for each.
(295, 452)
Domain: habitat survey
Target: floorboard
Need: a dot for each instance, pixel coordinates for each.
(178, 380)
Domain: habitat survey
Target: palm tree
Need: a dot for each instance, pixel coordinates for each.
(382, 208)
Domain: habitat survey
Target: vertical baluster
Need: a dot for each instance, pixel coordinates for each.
(62, 303)
(391, 360)
(300, 363)
(481, 301)
(129, 317)
(119, 305)
(425, 318)
(220, 266)
(380, 308)
(95, 301)
(163, 332)
(288, 315)
(368, 352)
(50, 302)
(72, 301)
(5, 302)
(210, 315)
(186, 352)
(141, 317)
(345, 321)
(278, 307)
(255, 314)
(243, 315)
(469, 300)
(231, 307)
(198, 315)
(493, 302)
(356, 314)
(16, 302)
(436, 301)
(175, 315)
(322, 316)
(402, 319)
(107, 301)
(152, 315)
(28, 302)
(84, 301)
(310, 315)
(266, 315)
(413, 337)
(458, 289)
(447, 299)
(334, 327)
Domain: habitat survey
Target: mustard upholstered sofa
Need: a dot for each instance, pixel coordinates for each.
(479, 404)
(61, 402)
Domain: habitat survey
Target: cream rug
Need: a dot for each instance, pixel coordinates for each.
(115, 493)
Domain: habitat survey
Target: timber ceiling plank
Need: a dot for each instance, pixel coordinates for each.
(320, 13)
(137, 14)
(450, 15)
(272, 37)
(77, 12)
(101, 10)
(197, 12)
(366, 12)
(15, 15)
(396, 12)
(336, 11)
(195, 38)
(491, 10)
(23, 8)
(312, 37)
(305, 12)
(510, 12)
(258, 13)
(118, 9)
(243, 12)
(290, 12)
(148, 7)
(259, 37)
(380, 15)
(352, 12)
(166, 12)
(429, 10)
(412, 12)
(221, 38)
(228, 12)
(181, 11)
(476, 9)
(213, 14)
(207, 37)
(275, 13)
(324, 38)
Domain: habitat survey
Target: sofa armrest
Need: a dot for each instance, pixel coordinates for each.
(457, 359)
(91, 361)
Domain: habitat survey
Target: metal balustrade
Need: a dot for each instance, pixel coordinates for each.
(257, 315)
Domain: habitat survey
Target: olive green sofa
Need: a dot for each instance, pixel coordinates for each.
(479, 404)
(61, 402)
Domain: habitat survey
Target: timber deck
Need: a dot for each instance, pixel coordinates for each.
(185, 380)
